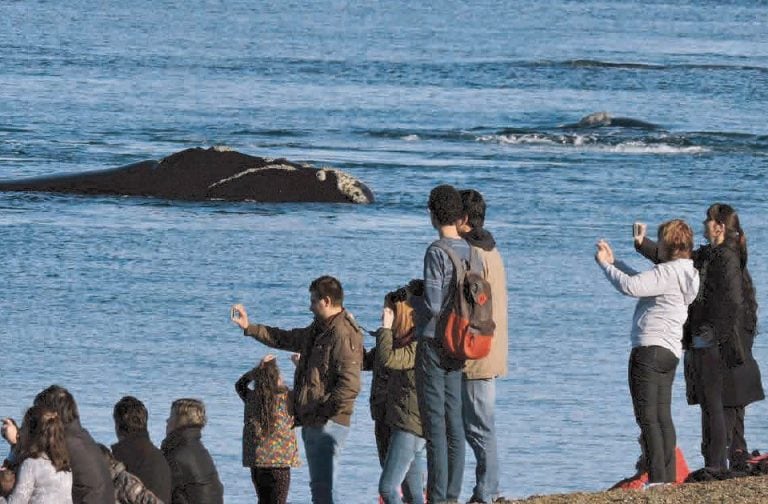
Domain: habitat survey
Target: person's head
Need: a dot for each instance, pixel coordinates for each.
(445, 206)
(58, 399)
(326, 297)
(267, 384)
(130, 416)
(186, 413)
(722, 224)
(675, 240)
(474, 210)
(42, 434)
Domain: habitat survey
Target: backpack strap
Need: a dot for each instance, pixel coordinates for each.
(459, 267)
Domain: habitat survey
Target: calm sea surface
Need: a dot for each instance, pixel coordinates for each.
(113, 296)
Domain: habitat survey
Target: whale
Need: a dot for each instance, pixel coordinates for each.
(600, 119)
(216, 173)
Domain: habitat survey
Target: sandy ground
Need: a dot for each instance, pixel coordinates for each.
(751, 490)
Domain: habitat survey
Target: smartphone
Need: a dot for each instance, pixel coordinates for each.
(637, 229)
(234, 314)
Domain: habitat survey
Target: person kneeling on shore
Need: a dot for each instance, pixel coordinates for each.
(664, 294)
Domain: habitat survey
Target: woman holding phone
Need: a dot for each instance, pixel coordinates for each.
(664, 294)
(721, 374)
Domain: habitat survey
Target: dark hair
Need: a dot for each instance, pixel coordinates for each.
(678, 238)
(474, 208)
(130, 415)
(445, 205)
(58, 399)
(726, 215)
(265, 391)
(43, 434)
(327, 286)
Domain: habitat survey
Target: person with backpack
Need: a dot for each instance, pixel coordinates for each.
(479, 383)
(663, 293)
(438, 375)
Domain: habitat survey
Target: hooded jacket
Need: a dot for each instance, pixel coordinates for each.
(495, 363)
(664, 294)
(327, 378)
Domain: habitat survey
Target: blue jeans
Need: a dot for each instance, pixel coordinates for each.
(439, 391)
(322, 446)
(478, 400)
(405, 459)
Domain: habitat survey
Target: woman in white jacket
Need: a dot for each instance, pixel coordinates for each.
(664, 294)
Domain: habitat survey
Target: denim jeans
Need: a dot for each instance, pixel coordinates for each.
(405, 459)
(439, 392)
(651, 373)
(478, 400)
(322, 446)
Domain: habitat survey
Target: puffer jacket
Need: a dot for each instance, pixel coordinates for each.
(402, 402)
(327, 378)
(194, 479)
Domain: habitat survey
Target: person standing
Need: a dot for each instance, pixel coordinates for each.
(269, 442)
(438, 376)
(664, 294)
(326, 381)
(721, 374)
(479, 380)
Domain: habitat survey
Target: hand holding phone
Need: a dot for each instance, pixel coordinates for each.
(638, 231)
(239, 316)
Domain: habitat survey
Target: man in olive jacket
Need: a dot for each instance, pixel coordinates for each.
(479, 383)
(327, 378)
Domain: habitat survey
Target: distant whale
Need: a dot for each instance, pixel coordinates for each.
(599, 119)
(209, 174)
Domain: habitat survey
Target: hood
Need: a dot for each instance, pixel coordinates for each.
(480, 238)
(688, 278)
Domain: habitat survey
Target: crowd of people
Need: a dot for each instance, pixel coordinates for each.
(426, 402)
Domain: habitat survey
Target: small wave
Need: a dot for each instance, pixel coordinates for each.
(591, 142)
(411, 138)
(656, 148)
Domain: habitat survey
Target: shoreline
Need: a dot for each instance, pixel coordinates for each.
(747, 490)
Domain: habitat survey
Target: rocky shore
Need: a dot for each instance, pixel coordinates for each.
(750, 490)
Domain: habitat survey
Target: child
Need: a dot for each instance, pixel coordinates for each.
(269, 442)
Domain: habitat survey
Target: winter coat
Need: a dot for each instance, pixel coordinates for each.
(144, 460)
(91, 480)
(495, 364)
(327, 378)
(729, 322)
(378, 398)
(128, 488)
(276, 448)
(194, 479)
(402, 402)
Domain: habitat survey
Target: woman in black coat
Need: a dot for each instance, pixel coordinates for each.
(194, 479)
(720, 373)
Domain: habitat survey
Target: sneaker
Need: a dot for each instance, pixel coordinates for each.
(649, 486)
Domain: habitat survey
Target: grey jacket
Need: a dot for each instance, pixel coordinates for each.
(665, 293)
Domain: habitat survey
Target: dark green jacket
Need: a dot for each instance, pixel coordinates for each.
(402, 403)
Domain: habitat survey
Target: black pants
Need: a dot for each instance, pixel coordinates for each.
(651, 373)
(734, 428)
(708, 383)
(271, 484)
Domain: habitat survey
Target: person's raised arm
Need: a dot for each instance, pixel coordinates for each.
(291, 340)
(241, 386)
(647, 247)
(648, 283)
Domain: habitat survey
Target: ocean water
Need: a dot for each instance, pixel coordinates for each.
(111, 296)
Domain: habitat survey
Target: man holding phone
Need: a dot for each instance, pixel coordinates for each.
(326, 381)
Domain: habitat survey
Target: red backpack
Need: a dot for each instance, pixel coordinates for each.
(466, 326)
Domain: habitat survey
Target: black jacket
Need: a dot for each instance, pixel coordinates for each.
(145, 461)
(194, 479)
(91, 479)
(725, 311)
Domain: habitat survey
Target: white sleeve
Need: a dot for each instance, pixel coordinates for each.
(646, 284)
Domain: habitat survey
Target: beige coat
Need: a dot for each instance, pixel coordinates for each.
(495, 364)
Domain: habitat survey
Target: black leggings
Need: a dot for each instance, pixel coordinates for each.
(708, 384)
(271, 484)
(651, 373)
